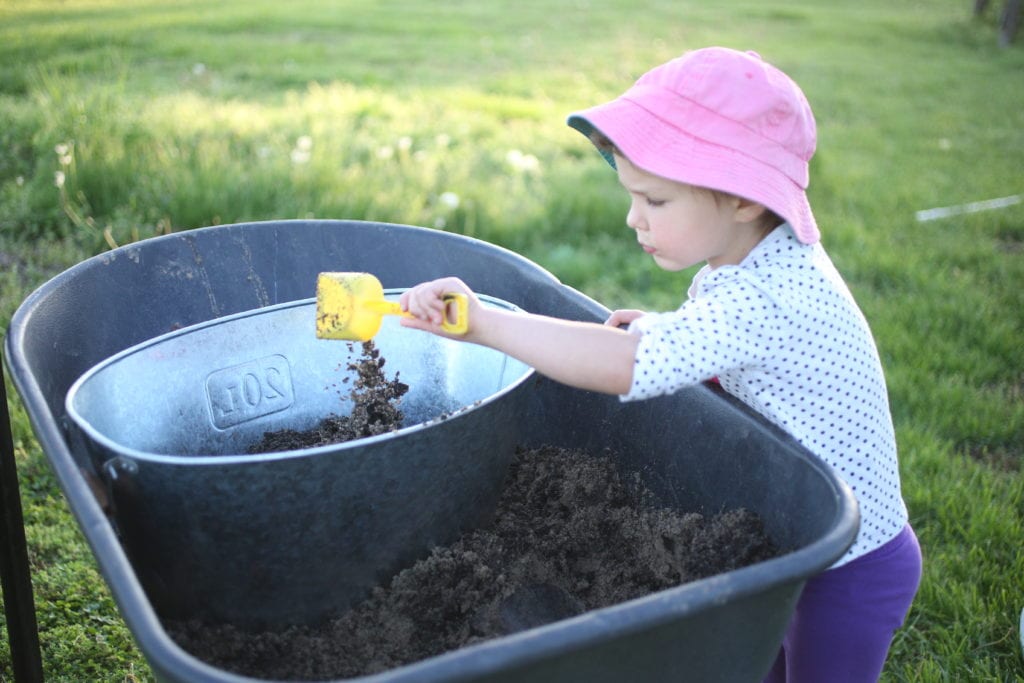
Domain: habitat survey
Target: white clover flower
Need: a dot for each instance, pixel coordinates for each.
(385, 152)
(404, 143)
(419, 156)
(945, 144)
(63, 151)
(58, 178)
(449, 199)
(198, 69)
(440, 222)
(19, 181)
(303, 150)
(524, 163)
(442, 140)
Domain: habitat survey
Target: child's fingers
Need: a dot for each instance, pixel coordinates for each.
(623, 317)
(422, 303)
(426, 301)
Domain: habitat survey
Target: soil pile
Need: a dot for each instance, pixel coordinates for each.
(375, 410)
(570, 535)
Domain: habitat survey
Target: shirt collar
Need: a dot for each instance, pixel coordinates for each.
(782, 238)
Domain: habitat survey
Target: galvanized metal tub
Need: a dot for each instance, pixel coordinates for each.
(698, 449)
(271, 539)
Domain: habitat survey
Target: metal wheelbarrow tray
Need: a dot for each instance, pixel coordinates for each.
(699, 449)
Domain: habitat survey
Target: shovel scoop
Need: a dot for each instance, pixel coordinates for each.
(351, 306)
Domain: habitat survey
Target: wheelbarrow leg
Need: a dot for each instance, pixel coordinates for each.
(19, 609)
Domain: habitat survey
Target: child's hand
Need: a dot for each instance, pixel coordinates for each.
(426, 304)
(624, 316)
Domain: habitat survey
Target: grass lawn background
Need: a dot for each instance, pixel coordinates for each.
(124, 120)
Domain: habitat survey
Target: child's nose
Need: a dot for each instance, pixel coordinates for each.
(633, 218)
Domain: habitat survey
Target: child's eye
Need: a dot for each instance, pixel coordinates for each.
(655, 202)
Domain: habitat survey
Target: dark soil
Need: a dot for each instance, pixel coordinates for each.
(570, 536)
(375, 410)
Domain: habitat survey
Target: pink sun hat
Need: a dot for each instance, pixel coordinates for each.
(721, 119)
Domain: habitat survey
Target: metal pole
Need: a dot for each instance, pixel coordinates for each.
(19, 608)
(1009, 22)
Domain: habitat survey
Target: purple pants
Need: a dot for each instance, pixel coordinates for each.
(846, 617)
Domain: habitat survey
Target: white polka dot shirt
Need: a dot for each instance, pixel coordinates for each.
(782, 333)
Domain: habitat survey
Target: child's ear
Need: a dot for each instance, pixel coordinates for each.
(747, 211)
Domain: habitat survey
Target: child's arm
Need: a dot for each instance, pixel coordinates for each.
(584, 355)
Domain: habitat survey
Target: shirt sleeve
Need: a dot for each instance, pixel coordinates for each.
(731, 324)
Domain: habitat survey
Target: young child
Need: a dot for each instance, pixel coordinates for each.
(713, 148)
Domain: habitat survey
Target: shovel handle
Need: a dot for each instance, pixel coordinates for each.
(455, 321)
(456, 311)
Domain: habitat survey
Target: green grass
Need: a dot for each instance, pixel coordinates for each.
(168, 116)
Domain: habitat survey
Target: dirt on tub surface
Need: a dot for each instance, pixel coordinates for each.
(570, 535)
(375, 410)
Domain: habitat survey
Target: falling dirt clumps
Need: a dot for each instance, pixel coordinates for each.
(570, 535)
(375, 410)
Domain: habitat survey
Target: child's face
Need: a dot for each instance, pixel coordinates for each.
(681, 225)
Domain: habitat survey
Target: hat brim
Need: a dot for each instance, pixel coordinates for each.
(659, 147)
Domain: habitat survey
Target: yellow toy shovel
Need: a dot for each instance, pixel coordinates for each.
(352, 305)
